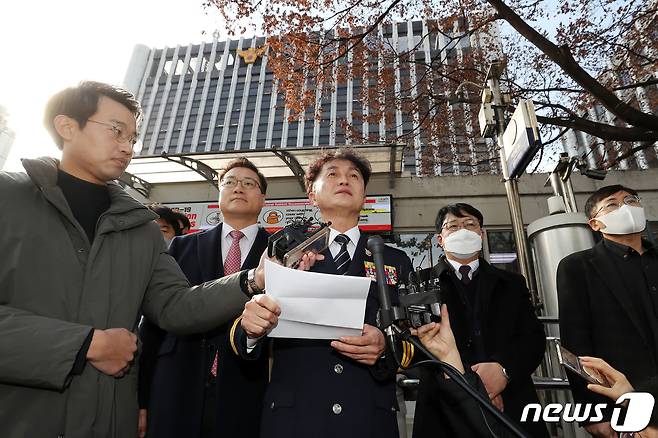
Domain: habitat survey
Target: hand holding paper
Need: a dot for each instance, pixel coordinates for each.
(366, 348)
(314, 305)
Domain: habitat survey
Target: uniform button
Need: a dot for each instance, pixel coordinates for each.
(338, 368)
(272, 405)
(81, 250)
(337, 408)
(653, 288)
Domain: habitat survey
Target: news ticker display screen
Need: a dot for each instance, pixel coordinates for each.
(376, 215)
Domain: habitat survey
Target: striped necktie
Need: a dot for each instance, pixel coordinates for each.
(342, 259)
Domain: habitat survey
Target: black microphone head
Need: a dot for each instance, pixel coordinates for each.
(375, 244)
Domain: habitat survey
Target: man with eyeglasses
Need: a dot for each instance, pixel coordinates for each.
(81, 262)
(498, 335)
(608, 295)
(198, 385)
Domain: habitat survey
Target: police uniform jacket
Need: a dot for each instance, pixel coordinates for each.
(317, 392)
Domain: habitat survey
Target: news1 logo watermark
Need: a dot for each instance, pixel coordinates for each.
(638, 412)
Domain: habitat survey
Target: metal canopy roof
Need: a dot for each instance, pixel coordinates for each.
(274, 163)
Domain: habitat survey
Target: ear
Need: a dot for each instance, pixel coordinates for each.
(595, 225)
(311, 197)
(262, 200)
(439, 239)
(65, 126)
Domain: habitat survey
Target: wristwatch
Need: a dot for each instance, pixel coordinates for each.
(252, 287)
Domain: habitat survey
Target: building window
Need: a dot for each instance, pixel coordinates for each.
(502, 250)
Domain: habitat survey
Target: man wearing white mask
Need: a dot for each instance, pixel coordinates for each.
(608, 295)
(498, 334)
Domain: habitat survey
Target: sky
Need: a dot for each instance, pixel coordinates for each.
(46, 46)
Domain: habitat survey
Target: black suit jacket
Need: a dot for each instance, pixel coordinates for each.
(175, 369)
(598, 318)
(513, 337)
(311, 381)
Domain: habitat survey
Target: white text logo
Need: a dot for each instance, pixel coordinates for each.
(638, 412)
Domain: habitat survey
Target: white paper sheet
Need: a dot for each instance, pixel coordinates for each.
(314, 305)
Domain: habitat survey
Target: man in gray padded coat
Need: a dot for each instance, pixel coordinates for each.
(80, 260)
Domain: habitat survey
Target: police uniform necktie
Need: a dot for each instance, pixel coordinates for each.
(464, 270)
(231, 265)
(342, 259)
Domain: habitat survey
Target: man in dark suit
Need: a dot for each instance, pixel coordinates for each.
(198, 386)
(497, 332)
(608, 295)
(345, 387)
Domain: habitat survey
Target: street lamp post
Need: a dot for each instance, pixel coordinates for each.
(511, 184)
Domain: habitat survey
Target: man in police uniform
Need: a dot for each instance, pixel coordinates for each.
(335, 388)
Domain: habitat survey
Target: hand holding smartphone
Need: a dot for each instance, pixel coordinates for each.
(572, 362)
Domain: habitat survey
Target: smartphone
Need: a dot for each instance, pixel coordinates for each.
(317, 243)
(572, 362)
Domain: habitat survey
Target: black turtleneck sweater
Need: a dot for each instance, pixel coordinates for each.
(86, 200)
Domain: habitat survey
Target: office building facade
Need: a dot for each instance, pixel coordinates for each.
(221, 96)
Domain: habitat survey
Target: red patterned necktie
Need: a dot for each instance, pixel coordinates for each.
(231, 265)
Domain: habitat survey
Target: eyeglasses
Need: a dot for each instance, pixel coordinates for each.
(610, 206)
(118, 133)
(453, 226)
(247, 183)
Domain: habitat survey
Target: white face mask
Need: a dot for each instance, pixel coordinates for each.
(463, 244)
(625, 220)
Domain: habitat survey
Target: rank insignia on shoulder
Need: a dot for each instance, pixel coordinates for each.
(390, 272)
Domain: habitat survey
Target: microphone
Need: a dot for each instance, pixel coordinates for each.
(376, 246)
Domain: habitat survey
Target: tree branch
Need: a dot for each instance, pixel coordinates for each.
(562, 57)
(602, 130)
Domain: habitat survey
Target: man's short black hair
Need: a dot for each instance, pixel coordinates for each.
(459, 209)
(81, 102)
(348, 154)
(183, 219)
(169, 216)
(601, 194)
(244, 162)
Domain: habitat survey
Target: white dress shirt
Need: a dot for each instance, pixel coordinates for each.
(475, 264)
(334, 247)
(246, 242)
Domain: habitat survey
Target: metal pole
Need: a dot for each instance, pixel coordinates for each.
(569, 195)
(556, 185)
(511, 187)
